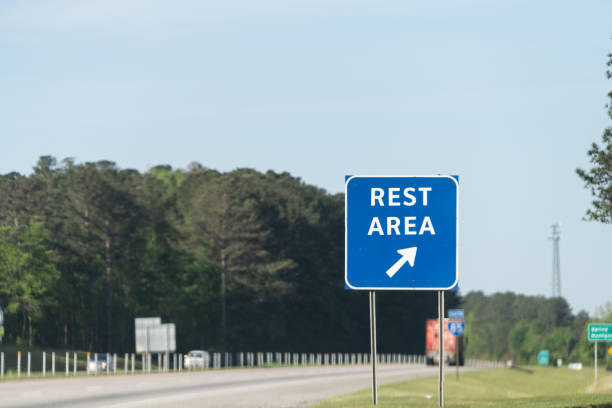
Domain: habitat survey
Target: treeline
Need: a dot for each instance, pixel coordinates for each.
(511, 326)
(241, 260)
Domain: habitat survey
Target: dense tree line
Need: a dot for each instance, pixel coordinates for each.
(241, 260)
(511, 326)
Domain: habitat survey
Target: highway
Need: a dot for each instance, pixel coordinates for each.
(264, 387)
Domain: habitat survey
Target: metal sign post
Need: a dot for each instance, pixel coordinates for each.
(373, 345)
(595, 361)
(456, 327)
(441, 347)
(457, 357)
(599, 332)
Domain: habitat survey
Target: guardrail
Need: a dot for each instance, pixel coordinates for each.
(262, 359)
(70, 364)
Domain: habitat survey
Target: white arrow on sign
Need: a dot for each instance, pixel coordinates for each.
(408, 255)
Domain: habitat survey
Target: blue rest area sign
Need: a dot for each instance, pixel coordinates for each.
(401, 232)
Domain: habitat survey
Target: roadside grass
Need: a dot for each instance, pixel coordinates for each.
(532, 387)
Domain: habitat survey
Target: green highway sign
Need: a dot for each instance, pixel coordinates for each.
(600, 332)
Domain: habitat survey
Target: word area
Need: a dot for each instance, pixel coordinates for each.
(399, 226)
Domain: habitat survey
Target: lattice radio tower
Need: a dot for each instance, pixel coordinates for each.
(556, 267)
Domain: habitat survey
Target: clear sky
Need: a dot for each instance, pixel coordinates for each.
(507, 94)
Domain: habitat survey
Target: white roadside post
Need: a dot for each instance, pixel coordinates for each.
(44, 364)
(29, 362)
(114, 363)
(108, 363)
(125, 363)
(67, 363)
(2, 364)
(75, 363)
(53, 363)
(19, 364)
(133, 362)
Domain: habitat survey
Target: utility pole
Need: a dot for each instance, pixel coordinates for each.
(556, 267)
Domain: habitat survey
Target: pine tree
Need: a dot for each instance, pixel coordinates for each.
(599, 178)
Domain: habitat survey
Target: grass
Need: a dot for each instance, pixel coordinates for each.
(536, 387)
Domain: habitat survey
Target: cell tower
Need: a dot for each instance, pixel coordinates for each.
(556, 267)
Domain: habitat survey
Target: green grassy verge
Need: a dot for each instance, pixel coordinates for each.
(535, 387)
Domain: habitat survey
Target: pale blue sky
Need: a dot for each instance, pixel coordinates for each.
(507, 94)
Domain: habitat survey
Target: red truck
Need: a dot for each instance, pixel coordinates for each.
(450, 344)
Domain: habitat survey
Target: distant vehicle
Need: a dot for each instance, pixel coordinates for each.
(196, 359)
(450, 344)
(101, 363)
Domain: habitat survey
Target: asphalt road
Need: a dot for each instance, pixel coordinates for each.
(266, 387)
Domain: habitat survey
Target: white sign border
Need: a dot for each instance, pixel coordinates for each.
(346, 183)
